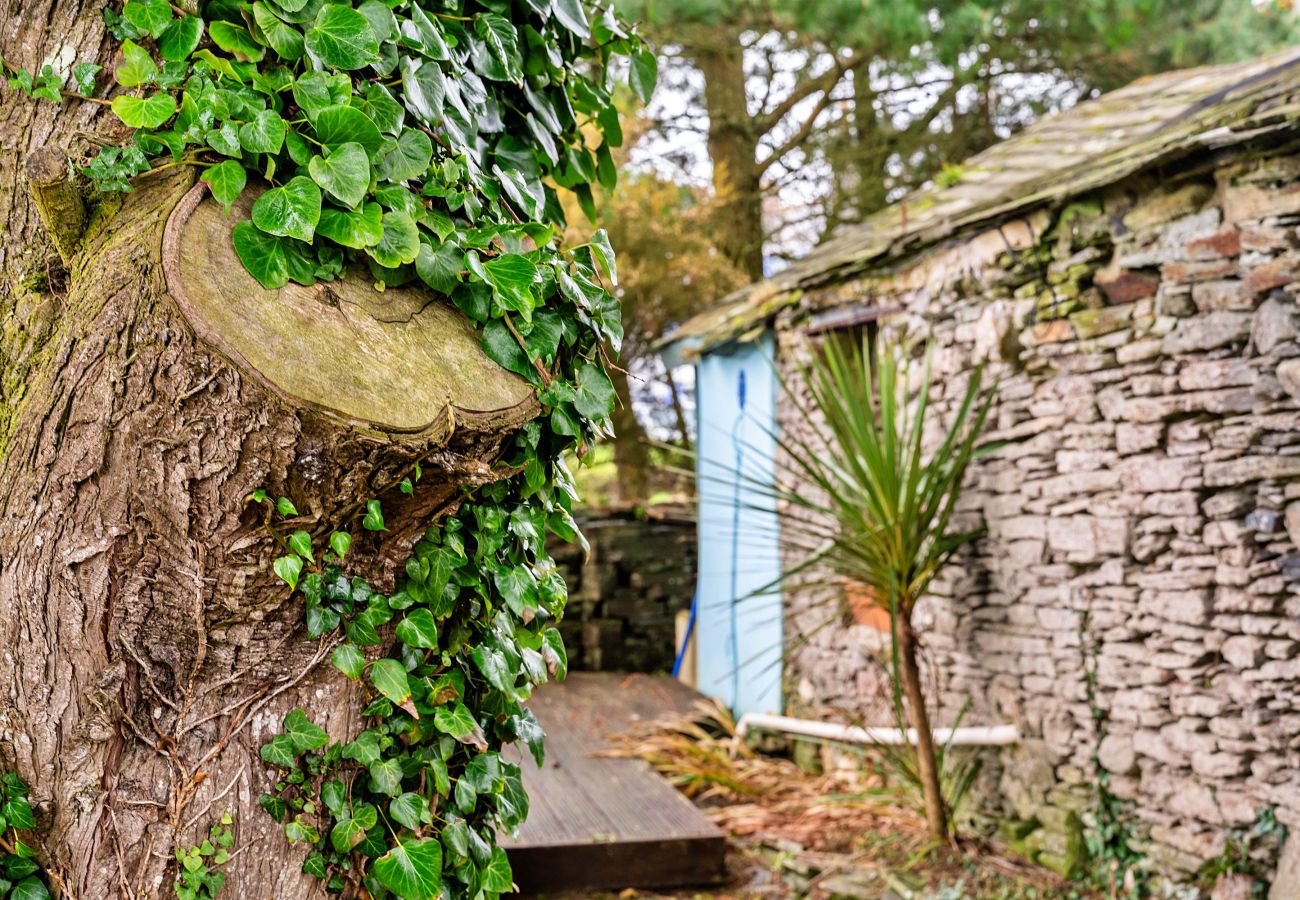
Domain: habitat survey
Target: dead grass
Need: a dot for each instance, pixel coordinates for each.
(795, 834)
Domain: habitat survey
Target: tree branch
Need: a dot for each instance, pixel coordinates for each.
(823, 82)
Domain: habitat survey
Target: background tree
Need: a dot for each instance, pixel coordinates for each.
(670, 268)
(817, 114)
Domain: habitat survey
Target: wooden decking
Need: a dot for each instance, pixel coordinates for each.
(608, 823)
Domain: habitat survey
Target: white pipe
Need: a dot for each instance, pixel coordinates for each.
(971, 736)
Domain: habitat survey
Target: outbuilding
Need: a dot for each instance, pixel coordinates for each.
(1128, 272)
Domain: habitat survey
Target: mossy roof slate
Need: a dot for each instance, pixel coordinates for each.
(1154, 120)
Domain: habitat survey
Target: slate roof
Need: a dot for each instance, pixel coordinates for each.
(1152, 121)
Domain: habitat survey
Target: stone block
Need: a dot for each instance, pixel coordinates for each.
(1228, 294)
(1207, 331)
(1243, 651)
(1274, 322)
(1087, 538)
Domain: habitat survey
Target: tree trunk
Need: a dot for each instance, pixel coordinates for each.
(733, 146)
(631, 450)
(936, 813)
(146, 648)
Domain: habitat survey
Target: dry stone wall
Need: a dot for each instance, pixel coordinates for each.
(1135, 605)
(625, 594)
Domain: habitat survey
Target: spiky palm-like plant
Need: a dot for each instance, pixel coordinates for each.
(881, 506)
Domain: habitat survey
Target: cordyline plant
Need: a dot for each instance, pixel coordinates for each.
(871, 503)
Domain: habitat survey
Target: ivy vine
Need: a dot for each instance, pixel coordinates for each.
(419, 141)
(20, 874)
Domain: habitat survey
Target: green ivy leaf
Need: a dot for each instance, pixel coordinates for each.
(603, 253)
(352, 228)
(389, 678)
(264, 134)
(284, 39)
(411, 810)
(418, 629)
(180, 38)
(289, 211)
(263, 255)
(144, 112)
(502, 41)
(227, 180)
(300, 543)
(340, 543)
(386, 777)
(303, 732)
(337, 125)
(344, 173)
(572, 16)
(455, 720)
(374, 517)
(279, 752)
(236, 41)
(341, 38)
(315, 92)
(150, 16)
(288, 568)
(412, 870)
(29, 889)
(346, 834)
(595, 395)
(19, 813)
(497, 876)
(643, 73)
(400, 243)
(408, 158)
(557, 660)
(349, 660)
(511, 276)
(137, 68)
(440, 268)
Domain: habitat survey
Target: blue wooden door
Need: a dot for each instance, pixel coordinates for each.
(739, 616)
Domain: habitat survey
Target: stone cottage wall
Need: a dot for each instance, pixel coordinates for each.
(625, 595)
(1135, 605)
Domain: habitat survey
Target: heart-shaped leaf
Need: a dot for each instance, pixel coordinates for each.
(411, 810)
(291, 210)
(144, 112)
(408, 157)
(418, 629)
(264, 134)
(227, 180)
(349, 660)
(341, 38)
(440, 268)
(236, 41)
(389, 678)
(180, 38)
(352, 228)
(344, 173)
(337, 125)
(305, 734)
(400, 243)
(284, 39)
(412, 870)
(137, 66)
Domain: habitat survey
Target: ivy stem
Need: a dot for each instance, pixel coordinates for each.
(537, 363)
(73, 95)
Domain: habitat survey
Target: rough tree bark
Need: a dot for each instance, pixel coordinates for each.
(146, 648)
(733, 147)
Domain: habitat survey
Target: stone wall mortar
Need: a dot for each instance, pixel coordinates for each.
(1146, 508)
